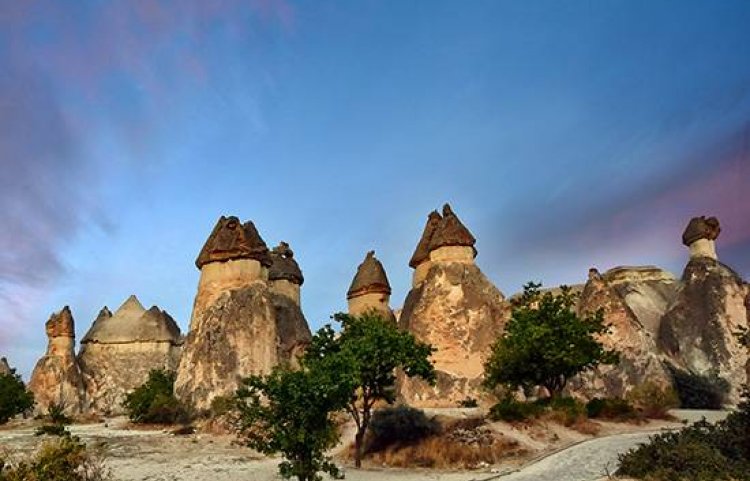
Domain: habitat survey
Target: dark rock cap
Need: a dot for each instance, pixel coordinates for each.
(283, 265)
(61, 324)
(370, 277)
(232, 240)
(422, 252)
(451, 232)
(701, 228)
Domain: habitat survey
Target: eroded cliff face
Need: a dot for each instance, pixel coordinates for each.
(698, 330)
(121, 349)
(5, 367)
(461, 313)
(232, 338)
(56, 379)
(620, 293)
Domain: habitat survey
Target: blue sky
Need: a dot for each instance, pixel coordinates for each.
(565, 134)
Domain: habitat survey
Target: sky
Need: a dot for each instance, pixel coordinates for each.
(565, 135)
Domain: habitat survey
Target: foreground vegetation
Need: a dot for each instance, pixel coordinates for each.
(15, 399)
(62, 459)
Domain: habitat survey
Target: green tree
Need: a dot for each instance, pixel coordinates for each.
(290, 412)
(154, 401)
(545, 343)
(14, 398)
(372, 349)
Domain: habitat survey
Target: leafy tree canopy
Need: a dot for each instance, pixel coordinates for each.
(545, 343)
(14, 398)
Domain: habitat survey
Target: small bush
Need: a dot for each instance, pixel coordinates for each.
(511, 410)
(617, 409)
(565, 410)
(399, 426)
(56, 414)
(52, 430)
(652, 400)
(154, 401)
(222, 405)
(66, 459)
(469, 402)
(697, 391)
(14, 398)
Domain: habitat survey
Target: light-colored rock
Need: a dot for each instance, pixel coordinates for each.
(456, 309)
(5, 367)
(639, 359)
(246, 317)
(56, 379)
(121, 349)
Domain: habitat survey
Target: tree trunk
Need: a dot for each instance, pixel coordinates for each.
(358, 441)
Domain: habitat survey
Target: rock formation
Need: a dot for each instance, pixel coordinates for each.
(697, 331)
(56, 379)
(285, 279)
(5, 367)
(121, 349)
(453, 307)
(239, 316)
(632, 300)
(370, 289)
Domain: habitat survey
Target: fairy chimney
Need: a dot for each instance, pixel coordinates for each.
(700, 236)
(284, 275)
(370, 289)
(420, 260)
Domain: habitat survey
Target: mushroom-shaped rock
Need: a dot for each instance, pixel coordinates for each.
(56, 379)
(231, 240)
(283, 265)
(422, 252)
(452, 241)
(370, 289)
(699, 236)
(370, 278)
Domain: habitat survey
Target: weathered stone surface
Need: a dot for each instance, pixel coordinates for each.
(283, 265)
(235, 336)
(291, 328)
(56, 379)
(697, 331)
(5, 367)
(231, 240)
(121, 349)
(619, 292)
(701, 228)
(460, 312)
(370, 278)
(422, 251)
(451, 232)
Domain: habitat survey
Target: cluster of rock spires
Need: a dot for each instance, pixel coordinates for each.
(247, 318)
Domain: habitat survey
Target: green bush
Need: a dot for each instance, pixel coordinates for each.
(399, 426)
(700, 452)
(611, 408)
(52, 430)
(468, 402)
(154, 401)
(56, 414)
(511, 410)
(652, 400)
(222, 405)
(65, 459)
(14, 398)
(565, 410)
(698, 391)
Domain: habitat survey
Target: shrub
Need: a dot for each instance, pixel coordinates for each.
(652, 400)
(565, 410)
(469, 402)
(154, 401)
(222, 405)
(52, 430)
(399, 426)
(697, 391)
(611, 408)
(511, 410)
(56, 414)
(66, 459)
(14, 398)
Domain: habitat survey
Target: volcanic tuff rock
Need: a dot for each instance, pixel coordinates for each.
(623, 293)
(697, 331)
(56, 379)
(242, 322)
(370, 289)
(121, 349)
(5, 367)
(453, 307)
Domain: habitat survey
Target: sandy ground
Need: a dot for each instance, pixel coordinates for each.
(556, 453)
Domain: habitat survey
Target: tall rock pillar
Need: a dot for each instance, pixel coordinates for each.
(453, 307)
(56, 379)
(698, 330)
(370, 289)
